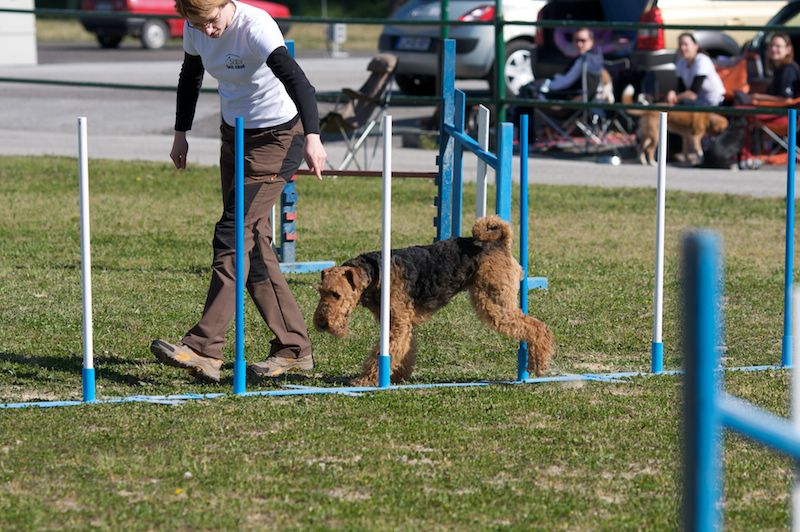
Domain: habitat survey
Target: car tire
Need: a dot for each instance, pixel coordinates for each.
(416, 85)
(518, 67)
(154, 34)
(109, 41)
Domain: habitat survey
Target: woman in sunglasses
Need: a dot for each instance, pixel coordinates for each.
(242, 47)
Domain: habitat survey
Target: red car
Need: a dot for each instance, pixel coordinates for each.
(111, 20)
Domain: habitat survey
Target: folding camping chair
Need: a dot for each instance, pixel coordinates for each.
(356, 116)
(587, 129)
(767, 139)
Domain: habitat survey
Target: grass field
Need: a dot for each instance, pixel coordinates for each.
(573, 457)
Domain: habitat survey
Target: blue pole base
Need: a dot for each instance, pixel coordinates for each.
(786, 351)
(239, 377)
(522, 362)
(88, 385)
(384, 374)
(657, 357)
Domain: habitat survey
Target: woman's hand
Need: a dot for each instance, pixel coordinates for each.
(672, 97)
(180, 147)
(315, 154)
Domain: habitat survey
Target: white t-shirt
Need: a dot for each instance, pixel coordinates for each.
(712, 91)
(238, 61)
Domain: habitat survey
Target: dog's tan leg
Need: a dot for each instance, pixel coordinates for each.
(493, 296)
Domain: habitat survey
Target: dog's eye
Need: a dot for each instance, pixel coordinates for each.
(336, 295)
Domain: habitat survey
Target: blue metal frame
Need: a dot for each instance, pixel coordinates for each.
(707, 408)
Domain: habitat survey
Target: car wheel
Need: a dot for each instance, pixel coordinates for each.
(109, 41)
(416, 85)
(519, 67)
(154, 34)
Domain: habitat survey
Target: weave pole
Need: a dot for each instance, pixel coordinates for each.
(239, 378)
(522, 352)
(795, 411)
(786, 345)
(480, 180)
(87, 373)
(384, 357)
(657, 347)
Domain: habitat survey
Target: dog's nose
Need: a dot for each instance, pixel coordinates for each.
(322, 325)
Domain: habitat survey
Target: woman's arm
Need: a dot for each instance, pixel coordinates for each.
(189, 82)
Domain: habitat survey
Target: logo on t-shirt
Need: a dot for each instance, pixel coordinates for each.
(233, 61)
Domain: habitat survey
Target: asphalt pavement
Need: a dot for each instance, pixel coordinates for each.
(137, 125)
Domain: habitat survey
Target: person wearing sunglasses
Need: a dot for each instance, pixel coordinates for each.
(242, 47)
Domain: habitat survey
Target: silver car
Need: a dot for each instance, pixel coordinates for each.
(417, 46)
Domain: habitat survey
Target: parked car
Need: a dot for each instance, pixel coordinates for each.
(152, 31)
(649, 51)
(416, 47)
(756, 49)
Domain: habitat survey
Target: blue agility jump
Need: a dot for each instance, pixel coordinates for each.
(707, 408)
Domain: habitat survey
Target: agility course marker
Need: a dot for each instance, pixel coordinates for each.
(707, 408)
(384, 357)
(239, 376)
(87, 373)
(657, 348)
(480, 178)
(786, 346)
(522, 352)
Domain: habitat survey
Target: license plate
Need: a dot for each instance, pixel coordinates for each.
(103, 6)
(414, 44)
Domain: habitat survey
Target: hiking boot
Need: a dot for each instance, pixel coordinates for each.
(182, 356)
(274, 366)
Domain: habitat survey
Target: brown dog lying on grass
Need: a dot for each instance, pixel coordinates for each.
(691, 126)
(424, 279)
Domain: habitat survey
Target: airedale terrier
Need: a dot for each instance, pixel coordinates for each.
(424, 279)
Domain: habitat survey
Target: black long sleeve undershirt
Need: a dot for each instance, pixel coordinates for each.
(297, 85)
(697, 84)
(189, 82)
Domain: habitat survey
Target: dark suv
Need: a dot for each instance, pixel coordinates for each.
(632, 54)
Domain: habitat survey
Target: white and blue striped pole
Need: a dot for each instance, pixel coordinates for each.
(786, 346)
(384, 357)
(239, 376)
(522, 353)
(657, 346)
(87, 373)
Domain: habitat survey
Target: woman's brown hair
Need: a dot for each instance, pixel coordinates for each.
(198, 9)
(789, 53)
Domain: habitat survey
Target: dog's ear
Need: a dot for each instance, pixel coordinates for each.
(355, 277)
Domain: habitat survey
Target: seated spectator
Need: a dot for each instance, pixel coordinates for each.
(698, 81)
(571, 81)
(610, 43)
(785, 84)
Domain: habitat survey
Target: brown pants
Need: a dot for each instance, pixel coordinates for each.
(270, 158)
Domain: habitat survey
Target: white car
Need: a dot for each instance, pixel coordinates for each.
(416, 47)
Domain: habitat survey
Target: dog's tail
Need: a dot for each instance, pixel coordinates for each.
(627, 98)
(492, 228)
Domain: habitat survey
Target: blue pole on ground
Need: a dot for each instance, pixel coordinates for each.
(522, 353)
(702, 419)
(239, 381)
(786, 347)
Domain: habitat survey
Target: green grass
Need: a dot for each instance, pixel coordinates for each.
(581, 456)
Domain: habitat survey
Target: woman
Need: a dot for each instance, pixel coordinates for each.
(698, 81)
(785, 84)
(242, 47)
